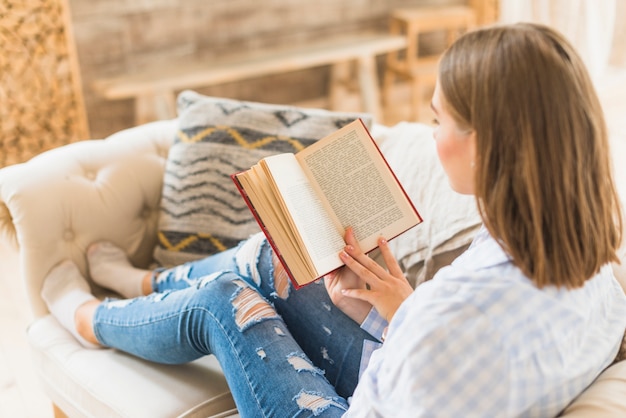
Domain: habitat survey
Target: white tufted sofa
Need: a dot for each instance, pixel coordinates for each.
(54, 206)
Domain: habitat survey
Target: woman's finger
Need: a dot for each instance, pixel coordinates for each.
(366, 274)
(389, 258)
(354, 250)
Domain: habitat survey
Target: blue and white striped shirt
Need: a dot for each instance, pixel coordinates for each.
(481, 340)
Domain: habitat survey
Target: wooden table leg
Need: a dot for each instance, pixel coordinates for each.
(340, 76)
(154, 106)
(368, 83)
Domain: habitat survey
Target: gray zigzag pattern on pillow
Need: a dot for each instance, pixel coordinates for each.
(198, 189)
(202, 211)
(212, 162)
(289, 117)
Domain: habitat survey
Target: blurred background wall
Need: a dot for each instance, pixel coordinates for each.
(54, 50)
(116, 37)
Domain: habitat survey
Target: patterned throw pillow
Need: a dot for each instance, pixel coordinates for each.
(201, 210)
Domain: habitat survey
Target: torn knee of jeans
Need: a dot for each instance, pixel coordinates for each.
(316, 402)
(302, 364)
(247, 257)
(281, 279)
(261, 353)
(249, 307)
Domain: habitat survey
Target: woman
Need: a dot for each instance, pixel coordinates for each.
(519, 325)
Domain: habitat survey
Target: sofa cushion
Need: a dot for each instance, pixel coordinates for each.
(604, 398)
(107, 382)
(201, 210)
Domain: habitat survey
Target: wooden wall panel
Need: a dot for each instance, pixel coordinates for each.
(116, 37)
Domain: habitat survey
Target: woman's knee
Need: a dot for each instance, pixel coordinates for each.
(236, 296)
(249, 258)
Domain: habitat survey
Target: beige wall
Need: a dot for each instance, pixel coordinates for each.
(116, 37)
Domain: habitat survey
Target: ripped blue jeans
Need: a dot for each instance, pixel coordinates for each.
(284, 353)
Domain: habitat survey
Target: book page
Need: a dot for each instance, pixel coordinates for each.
(354, 181)
(320, 235)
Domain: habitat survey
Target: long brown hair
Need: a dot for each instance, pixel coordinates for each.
(543, 182)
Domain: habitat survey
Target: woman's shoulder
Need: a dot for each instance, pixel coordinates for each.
(517, 309)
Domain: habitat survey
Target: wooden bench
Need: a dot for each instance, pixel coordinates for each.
(411, 64)
(154, 90)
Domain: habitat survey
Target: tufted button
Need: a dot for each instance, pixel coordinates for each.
(90, 175)
(7, 229)
(145, 213)
(68, 235)
(5, 215)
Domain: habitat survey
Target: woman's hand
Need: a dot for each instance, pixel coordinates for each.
(339, 280)
(363, 280)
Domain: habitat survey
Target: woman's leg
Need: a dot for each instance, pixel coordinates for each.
(222, 314)
(240, 259)
(324, 335)
(329, 338)
(109, 267)
(333, 341)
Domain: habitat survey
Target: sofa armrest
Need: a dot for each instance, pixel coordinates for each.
(53, 206)
(604, 398)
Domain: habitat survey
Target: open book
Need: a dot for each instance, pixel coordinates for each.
(303, 202)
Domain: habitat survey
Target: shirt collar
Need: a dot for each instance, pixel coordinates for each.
(484, 252)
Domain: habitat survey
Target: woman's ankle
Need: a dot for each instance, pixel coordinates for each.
(146, 284)
(84, 321)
